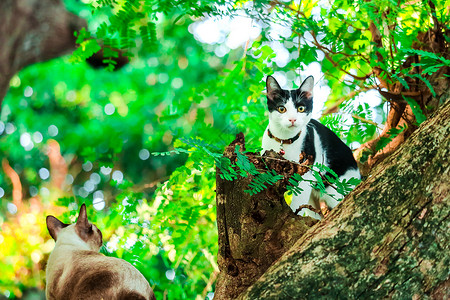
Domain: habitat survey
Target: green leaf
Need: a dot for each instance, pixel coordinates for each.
(260, 182)
(417, 111)
(86, 49)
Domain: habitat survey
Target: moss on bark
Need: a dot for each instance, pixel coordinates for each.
(389, 238)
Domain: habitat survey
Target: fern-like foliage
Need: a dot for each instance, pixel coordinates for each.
(132, 20)
(203, 154)
(148, 35)
(244, 164)
(293, 187)
(261, 181)
(417, 111)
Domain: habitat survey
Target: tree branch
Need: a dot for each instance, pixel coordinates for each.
(15, 180)
(390, 231)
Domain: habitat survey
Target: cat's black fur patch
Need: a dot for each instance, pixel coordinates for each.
(281, 97)
(278, 97)
(299, 98)
(308, 143)
(340, 157)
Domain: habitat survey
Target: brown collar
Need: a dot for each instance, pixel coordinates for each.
(281, 141)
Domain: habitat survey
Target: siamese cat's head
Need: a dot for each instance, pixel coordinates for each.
(289, 110)
(82, 233)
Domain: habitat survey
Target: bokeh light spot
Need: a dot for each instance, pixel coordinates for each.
(105, 170)
(33, 191)
(12, 208)
(44, 173)
(144, 154)
(28, 91)
(109, 109)
(87, 166)
(99, 203)
(170, 274)
(36, 256)
(163, 77)
(69, 179)
(117, 176)
(89, 186)
(37, 137)
(44, 192)
(95, 178)
(52, 130)
(10, 128)
(177, 83)
(26, 142)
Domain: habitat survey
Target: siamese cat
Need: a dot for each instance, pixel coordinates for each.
(292, 130)
(76, 269)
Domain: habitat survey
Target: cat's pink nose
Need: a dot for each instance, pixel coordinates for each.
(292, 121)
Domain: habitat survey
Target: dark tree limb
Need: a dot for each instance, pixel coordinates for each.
(33, 31)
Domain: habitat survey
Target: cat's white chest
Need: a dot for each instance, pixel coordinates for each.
(291, 151)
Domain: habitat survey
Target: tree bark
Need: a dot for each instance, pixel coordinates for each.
(254, 230)
(388, 238)
(33, 31)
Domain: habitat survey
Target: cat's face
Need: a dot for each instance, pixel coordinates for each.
(289, 111)
(80, 232)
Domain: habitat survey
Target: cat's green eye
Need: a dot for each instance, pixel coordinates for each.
(281, 109)
(301, 109)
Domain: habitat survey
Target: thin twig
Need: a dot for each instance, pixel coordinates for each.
(366, 121)
(153, 184)
(209, 284)
(16, 183)
(341, 100)
(325, 181)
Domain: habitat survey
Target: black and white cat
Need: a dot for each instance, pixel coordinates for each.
(292, 130)
(75, 269)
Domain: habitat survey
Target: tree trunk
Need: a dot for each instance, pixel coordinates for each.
(32, 31)
(254, 231)
(388, 238)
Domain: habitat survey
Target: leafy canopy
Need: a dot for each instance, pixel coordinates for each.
(178, 95)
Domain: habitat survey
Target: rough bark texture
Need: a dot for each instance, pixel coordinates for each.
(255, 230)
(388, 238)
(32, 31)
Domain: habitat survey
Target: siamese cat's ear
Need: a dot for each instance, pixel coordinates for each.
(272, 88)
(54, 226)
(82, 220)
(307, 87)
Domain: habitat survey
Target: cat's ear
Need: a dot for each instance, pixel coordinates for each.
(54, 226)
(82, 220)
(307, 87)
(272, 88)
